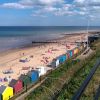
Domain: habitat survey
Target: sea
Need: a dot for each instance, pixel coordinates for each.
(12, 37)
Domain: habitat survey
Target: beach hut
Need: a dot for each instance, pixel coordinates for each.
(55, 63)
(62, 58)
(82, 47)
(41, 70)
(66, 56)
(6, 92)
(73, 52)
(17, 85)
(76, 50)
(25, 79)
(70, 53)
(34, 75)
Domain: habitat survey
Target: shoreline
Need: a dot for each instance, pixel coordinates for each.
(56, 39)
(61, 36)
(28, 46)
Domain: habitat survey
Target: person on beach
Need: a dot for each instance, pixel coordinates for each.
(23, 54)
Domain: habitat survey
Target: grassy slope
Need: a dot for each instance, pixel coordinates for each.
(76, 81)
(90, 91)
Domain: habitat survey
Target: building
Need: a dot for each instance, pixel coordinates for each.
(6, 92)
(42, 70)
(92, 38)
(17, 85)
(62, 58)
(34, 75)
(55, 63)
(25, 79)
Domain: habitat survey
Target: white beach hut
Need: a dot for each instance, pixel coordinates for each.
(57, 62)
(42, 70)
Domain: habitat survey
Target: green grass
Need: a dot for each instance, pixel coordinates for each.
(70, 89)
(91, 89)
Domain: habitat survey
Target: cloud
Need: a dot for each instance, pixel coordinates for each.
(21, 4)
(64, 9)
(88, 6)
(79, 1)
(49, 9)
(50, 2)
(14, 5)
(87, 2)
(57, 7)
(38, 15)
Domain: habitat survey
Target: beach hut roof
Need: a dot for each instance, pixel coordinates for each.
(29, 73)
(25, 79)
(22, 77)
(2, 88)
(13, 82)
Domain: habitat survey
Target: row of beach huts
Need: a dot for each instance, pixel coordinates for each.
(16, 86)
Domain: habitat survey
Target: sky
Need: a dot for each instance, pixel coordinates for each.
(49, 12)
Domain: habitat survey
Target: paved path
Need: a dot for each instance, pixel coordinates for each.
(22, 97)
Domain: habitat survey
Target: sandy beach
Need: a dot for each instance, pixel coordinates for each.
(36, 56)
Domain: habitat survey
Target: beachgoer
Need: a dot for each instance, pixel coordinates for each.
(23, 54)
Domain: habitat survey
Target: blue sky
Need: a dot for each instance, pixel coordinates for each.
(49, 12)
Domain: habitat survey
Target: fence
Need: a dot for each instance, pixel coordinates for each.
(86, 81)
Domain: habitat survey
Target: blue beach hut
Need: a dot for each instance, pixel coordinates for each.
(70, 53)
(34, 75)
(62, 58)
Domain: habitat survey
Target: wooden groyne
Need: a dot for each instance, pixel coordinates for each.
(44, 42)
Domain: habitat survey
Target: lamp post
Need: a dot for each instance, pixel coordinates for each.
(88, 23)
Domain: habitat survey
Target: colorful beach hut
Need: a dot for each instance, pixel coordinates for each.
(70, 53)
(76, 51)
(25, 79)
(55, 63)
(34, 75)
(17, 85)
(62, 58)
(6, 92)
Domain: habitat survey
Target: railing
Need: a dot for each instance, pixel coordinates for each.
(86, 81)
(97, 95)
